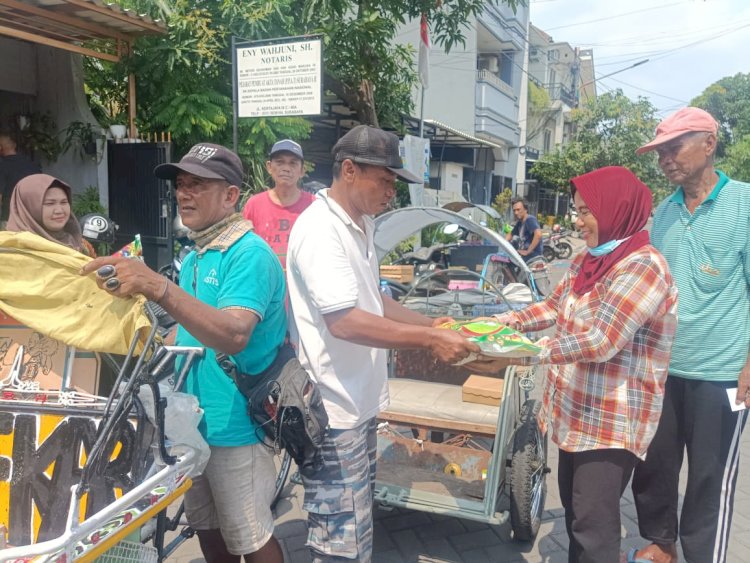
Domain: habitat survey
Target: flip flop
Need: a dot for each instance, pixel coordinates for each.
(632, 558)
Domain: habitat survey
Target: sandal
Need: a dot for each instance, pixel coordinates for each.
(632, 557)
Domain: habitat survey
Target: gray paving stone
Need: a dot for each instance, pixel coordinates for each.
(408, 544)
(381, 538)
(392, 556)
(405, 520)
(440, 529)
(439, 549)
(472, 540)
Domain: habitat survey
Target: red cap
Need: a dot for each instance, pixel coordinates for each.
(686, 120)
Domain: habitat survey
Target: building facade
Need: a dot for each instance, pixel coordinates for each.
(475, 93)
(560, 79)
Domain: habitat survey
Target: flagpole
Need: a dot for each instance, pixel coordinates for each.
(421, 114)
(424, 66)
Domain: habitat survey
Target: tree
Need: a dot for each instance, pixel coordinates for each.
(728, 100)
(365, 67)
(538, 112)
(184, 79)
(608, 130)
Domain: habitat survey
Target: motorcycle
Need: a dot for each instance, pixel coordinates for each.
(183, 247)
(555, 246)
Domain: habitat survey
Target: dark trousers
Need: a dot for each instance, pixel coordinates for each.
(697, 416)
(591, 484)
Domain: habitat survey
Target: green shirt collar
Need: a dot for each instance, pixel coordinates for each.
(679, 195)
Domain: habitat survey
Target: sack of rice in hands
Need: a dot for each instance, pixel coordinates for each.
(496, 340)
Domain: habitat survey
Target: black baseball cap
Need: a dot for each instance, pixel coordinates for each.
(369, 145)
(287, 145)
(206, 160)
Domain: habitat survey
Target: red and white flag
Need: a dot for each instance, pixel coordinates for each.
(424, 53)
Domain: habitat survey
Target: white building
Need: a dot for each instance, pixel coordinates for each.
(471, 107)
(566, 75)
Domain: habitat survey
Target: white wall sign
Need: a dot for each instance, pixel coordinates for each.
(279, 78)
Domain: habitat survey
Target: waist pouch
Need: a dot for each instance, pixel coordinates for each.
(286, 404)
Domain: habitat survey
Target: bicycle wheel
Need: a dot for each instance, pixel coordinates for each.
(282, 461)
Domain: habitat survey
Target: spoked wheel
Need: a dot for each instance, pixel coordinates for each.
(528, 473)
(282, 461)
(548, 253)
(564, 250)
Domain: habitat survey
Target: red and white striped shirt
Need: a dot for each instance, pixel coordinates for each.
(609, 355)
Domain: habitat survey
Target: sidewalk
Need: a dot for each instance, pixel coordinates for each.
(403, 536)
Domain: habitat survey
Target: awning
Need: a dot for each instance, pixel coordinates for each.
(450, 135)
(87, 27)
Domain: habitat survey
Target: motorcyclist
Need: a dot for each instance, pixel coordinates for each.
(527, 232)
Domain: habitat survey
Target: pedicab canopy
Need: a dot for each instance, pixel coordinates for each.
(40, 287)
(393, 227)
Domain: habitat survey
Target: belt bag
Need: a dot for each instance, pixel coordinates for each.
(286, 404)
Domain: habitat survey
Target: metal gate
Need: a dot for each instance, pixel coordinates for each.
(139, 202)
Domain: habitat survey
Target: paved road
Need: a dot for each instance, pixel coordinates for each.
(403, 536)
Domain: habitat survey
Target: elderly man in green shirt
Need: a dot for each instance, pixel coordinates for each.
(703, 230)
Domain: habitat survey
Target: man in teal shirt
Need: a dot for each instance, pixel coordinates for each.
(230, 300)
(703, 230)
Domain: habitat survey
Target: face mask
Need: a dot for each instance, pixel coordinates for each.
(606, 248)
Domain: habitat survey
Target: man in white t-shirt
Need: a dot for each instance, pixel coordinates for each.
(343, 326)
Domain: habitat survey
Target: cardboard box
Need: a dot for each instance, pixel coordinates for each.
(483, 390)
(401, 274)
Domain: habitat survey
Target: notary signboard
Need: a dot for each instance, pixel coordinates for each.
(281, 77)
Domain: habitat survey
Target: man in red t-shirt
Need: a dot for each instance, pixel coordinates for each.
(274, 211)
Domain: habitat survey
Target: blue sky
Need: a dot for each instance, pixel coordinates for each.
(690, 43)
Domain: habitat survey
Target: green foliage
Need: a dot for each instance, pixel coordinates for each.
(365, 66)
(39, 136)
(87, 202)
(183, 79)
(736, 160)
(82, 137)
(434, 234)
(538, 110)
(608, 130)
(728, 100)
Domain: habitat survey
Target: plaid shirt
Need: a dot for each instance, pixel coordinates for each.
(609, 356)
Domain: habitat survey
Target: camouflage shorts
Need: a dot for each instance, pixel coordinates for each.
(338, 497)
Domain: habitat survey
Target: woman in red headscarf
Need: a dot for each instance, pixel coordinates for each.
(614, 315)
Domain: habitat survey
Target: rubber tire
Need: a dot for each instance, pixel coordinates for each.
(564, 250)
(281, 476)
(524, 463)
(548, 253)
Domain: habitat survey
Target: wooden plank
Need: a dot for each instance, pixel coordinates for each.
(432, 423)
(24, 36)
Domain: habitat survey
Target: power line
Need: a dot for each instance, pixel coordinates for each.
(650, 91)
(616, 16)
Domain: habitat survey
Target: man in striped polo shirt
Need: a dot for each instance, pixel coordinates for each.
(703, 230)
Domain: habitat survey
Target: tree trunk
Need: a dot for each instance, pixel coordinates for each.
(361, 99)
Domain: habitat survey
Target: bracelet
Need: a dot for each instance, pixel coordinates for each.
(164, 291)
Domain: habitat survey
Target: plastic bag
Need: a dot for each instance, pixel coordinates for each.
(133, 249)
(494, 339)
(181, 419)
